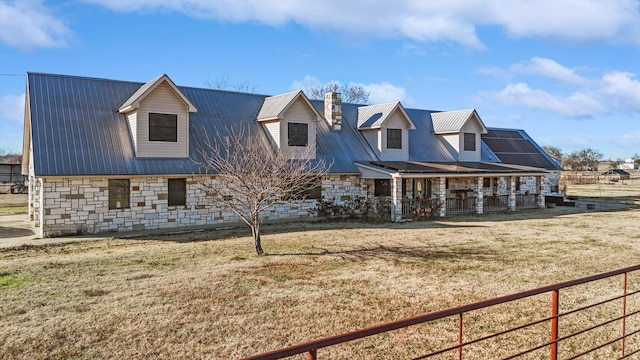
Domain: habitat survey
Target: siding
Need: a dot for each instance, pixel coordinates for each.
(162, 100)
(454, 141)
(373, 138)
(273, 129)
(132, 120)
(395, 121)
(298, 112)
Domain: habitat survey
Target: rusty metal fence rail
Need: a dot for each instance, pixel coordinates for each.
(554, 321)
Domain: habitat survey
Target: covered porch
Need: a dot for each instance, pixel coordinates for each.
(420, 190)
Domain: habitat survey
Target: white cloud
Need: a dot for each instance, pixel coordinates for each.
(622, 89)
(385, 92)
(378, 93)
(550, 69)
(574, 105)
(27, 24)
(12, 109)
(450, 21)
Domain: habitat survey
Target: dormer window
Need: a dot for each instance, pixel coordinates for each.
(394, 138)
(298, 134)
(163, 127)
(469, 141)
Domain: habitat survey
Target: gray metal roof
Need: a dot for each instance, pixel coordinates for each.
(77, 131)
(274, 105)
(452, 121)
(373, 116)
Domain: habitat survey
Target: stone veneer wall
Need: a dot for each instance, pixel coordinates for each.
(81, 205)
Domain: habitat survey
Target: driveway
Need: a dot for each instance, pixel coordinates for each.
(16, 230)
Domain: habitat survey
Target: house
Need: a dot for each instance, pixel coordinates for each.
(107, 155)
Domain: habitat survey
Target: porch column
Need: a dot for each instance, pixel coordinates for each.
(441, 195)
(30, 197)
(512, 193)
(540, 190)
(396, 198)
(479, 195)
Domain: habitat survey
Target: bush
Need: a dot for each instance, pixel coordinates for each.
(356, 209)
(427, 209)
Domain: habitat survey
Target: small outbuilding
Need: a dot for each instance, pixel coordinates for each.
(616, 175)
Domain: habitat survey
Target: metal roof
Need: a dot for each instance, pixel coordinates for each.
(513, 146)
(373, 116)
(452, 121)
(133, 101)
(76, 129)
(454, 167)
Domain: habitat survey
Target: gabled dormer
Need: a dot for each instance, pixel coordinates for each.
(291, 121)
(386, 129)
(158, 118)
(462, 130)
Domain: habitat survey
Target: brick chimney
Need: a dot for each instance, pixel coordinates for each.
(333, 110)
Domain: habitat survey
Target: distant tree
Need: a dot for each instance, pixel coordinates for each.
(8, 157)
(636, 158)
(582, 160)
(355, 94)
(614, 164)
(252, 177)
(553, 151)
(222, 82)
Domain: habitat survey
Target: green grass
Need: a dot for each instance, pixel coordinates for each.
(13, 210)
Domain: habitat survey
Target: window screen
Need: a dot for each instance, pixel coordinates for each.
(394, 138)
(298, 134)
(119, 194)
(469, 142)
(177, 192)
(163, 127)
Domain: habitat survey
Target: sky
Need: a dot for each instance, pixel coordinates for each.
(565, 71)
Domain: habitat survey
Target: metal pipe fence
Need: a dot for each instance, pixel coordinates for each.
(561, 330)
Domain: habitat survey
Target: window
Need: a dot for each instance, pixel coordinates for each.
(394, 138)
(163, 127)
(313, 193)
(382, 187)
(119, 194)
(177, 192)
(298, 134)
(486, 183)
(469, 142)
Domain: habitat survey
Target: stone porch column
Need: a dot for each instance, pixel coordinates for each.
(396, 198)
(441, 194)
(512, 193)
(479, 195)
(540, 190)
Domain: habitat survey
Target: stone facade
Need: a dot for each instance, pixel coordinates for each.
(81, 205)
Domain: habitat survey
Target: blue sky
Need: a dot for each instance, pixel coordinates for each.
(566, 71)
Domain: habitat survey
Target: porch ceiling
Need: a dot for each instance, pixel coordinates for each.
(415, 167)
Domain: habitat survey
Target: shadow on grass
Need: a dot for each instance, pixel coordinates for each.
(13, 232)
(377, 251)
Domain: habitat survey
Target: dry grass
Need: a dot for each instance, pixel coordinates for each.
(13, 204)
(206, 295)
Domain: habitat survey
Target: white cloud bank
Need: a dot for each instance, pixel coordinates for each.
(612, 92)
(27, 24)
(451, 21)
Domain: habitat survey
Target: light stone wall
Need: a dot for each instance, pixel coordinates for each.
(81, 205)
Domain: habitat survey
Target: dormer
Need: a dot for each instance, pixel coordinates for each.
(386, 129)
(462, 130)
(291, 121)
(158, 118)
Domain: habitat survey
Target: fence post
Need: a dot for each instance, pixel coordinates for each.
(312, 354)
(555, 297)
(460, 337)
(624, 312)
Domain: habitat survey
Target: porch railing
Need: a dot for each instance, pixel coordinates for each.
(618, 304)
(524, 201)
(460, 206)
(495, 203)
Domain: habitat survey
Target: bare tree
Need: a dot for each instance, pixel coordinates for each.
(350, 93)
(222, 82)
(554, 152)
(252, 177)
(583, 160)
(8, 157)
